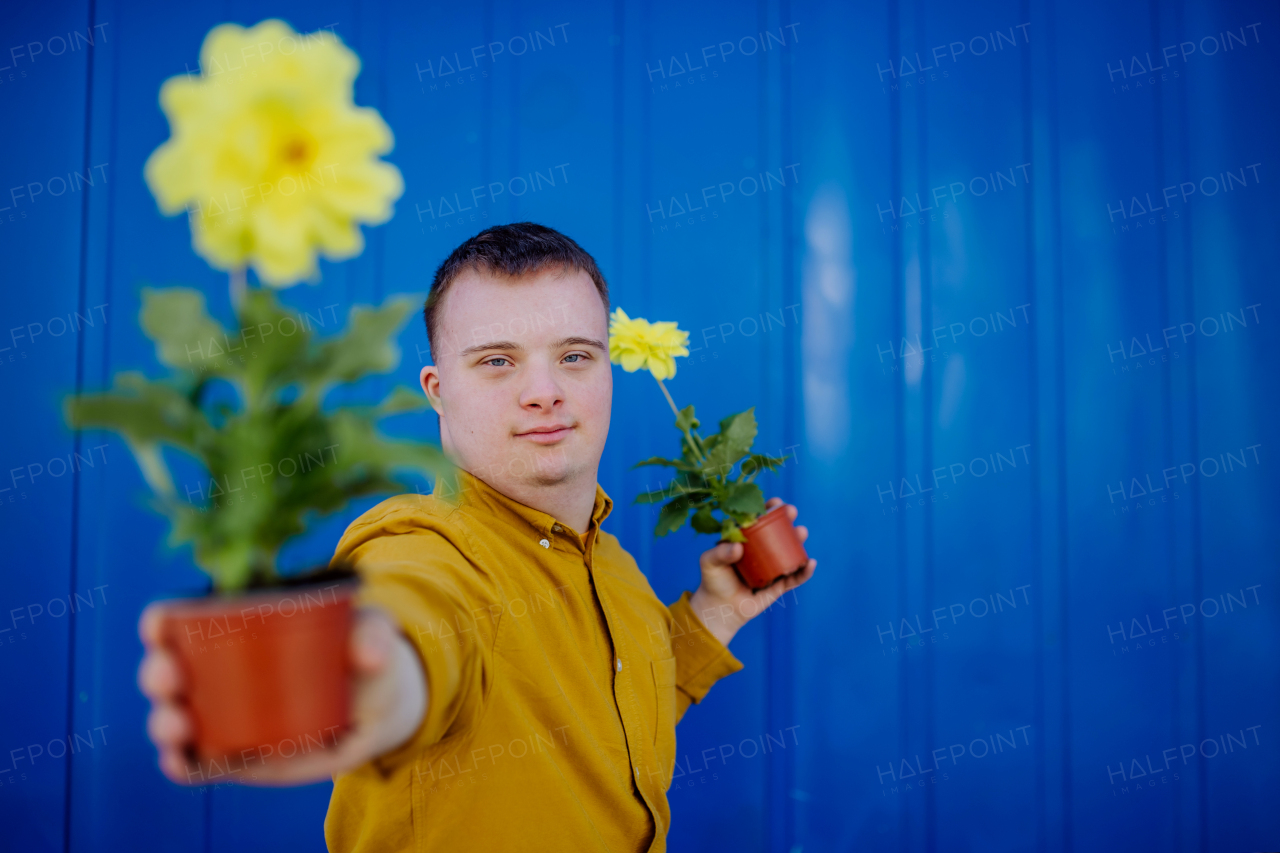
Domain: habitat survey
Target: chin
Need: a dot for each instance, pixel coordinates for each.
(552, 469)
(553, 465)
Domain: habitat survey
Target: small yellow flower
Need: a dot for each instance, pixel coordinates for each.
(637, 344)
(269, 153)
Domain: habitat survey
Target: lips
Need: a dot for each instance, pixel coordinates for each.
(547, 434)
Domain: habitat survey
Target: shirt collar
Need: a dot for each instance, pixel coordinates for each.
(465, 488)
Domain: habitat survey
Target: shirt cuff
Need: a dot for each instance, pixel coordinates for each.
(701, 659)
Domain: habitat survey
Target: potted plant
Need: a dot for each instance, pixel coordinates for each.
(704, 485)
(264, 657)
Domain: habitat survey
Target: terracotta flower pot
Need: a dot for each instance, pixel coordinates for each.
(266, 674)
(773, 549)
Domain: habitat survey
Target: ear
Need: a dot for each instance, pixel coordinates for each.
(429, 379)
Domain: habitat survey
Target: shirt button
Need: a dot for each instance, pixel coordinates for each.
(556, 528)
(619, 664)
(544, 543)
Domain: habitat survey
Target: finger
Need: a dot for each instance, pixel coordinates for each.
(794, 580)
(724, 554)
(353, 748)
(159, 677)
(169, 727)
(149, 624)
(771, 503)
(371, 640)
(173, 764)
(792, 511)
(786, 583)
(802, 532)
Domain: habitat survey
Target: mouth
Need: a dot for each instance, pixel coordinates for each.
(546, 435)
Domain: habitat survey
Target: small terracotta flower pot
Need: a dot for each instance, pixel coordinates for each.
(266, 674)
(773, 549)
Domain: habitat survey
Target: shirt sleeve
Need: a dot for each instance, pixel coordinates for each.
(701, 659)
(410, 566)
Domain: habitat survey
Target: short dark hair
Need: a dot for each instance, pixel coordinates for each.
(513, 251)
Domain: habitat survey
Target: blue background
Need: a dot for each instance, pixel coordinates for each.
(859, 116)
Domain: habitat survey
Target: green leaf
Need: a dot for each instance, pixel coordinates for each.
(690, 484)
(671, 463)
(674, 490)
(186, 337)
(758, 462)
(403, 399)
(685, 420)
(273, 343)
(743, 499)
(142, 411)
(659, 460)
(672, 516)
(737, 434)
(730, 532)
(703, 522)
(367, 346)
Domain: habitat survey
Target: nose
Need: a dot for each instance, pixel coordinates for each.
(541, 390)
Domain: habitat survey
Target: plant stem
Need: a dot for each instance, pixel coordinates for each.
(238, 285)
(694, 440)
(667, 394)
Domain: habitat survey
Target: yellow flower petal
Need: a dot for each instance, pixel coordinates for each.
(637, 343)
(270, 155)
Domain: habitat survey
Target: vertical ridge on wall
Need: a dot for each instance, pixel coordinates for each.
(619, 163)
(776, 670)
(379, 235)
(924, 261)
(76, 491)
(486, 99)
(782, 636)
(899, 406)
(1193, 441)
(899, 401)
(1033, 411)
(644, 281)
(1060, 407)
(776, 684)
(1166, 379)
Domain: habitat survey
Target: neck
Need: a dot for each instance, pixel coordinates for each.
(570, 501)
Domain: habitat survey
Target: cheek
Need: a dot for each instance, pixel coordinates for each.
(477, 412)
(490, 414)
(601, 403)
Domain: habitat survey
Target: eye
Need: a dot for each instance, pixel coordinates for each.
(496, 358)
(578, 355)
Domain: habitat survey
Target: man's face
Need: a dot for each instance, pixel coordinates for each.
(514, 359)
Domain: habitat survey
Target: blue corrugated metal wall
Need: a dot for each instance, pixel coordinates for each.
(998, 274)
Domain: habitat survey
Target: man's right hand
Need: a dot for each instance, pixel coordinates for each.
(389, 701)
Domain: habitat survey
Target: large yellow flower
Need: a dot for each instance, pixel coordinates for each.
(637, 344)
(269, 153)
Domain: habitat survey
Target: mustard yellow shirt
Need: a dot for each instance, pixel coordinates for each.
(556, 678)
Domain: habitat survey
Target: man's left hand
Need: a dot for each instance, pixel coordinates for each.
(723, 602)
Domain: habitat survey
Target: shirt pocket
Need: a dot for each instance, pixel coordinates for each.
(664, 682)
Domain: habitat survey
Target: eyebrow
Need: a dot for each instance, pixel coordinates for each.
(515, 347)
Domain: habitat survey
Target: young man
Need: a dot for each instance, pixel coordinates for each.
(518, 680)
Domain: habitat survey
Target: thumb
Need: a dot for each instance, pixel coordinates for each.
(727, 553)
(371, 640)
